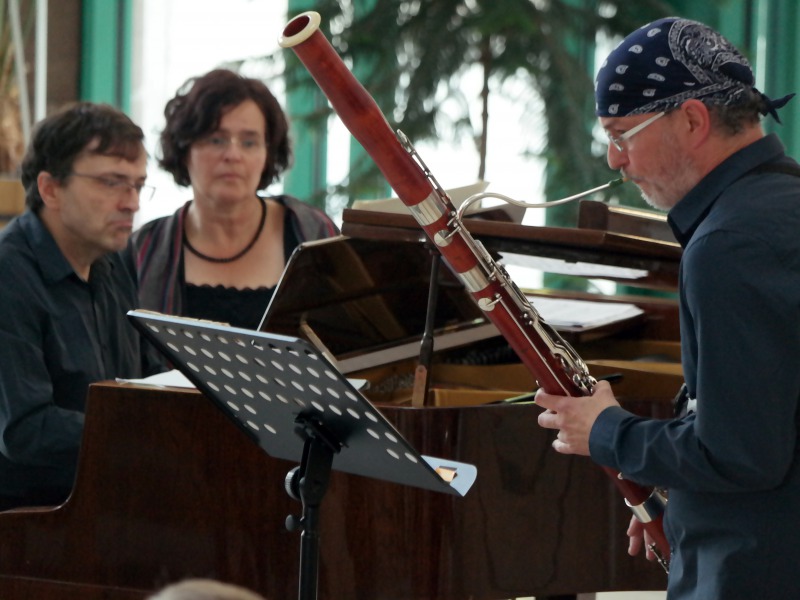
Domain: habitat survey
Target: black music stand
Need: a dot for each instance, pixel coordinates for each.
(295, 405)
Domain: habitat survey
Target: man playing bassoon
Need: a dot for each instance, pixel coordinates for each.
(683, 119)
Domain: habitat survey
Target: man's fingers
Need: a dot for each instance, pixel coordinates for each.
(546, 400)
(549, 419)
(635, 532)
(634, 545)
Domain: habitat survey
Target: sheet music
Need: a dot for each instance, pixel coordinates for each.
(559, 312)
(173, 378)
(562, 267)
(457, 195)
(394, 205)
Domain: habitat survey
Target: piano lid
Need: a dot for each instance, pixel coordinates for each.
(365, 301)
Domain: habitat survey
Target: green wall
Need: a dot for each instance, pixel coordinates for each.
(106, 49)
(766, 31)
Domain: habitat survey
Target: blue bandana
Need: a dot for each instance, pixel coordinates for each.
(669, 61)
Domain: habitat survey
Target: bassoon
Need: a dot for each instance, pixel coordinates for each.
(555, 365)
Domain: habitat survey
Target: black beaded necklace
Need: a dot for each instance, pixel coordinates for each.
(238, 255)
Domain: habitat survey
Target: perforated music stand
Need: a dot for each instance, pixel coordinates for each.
(295, 405)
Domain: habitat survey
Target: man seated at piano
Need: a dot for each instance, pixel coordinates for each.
(683, 119)
(64, 293)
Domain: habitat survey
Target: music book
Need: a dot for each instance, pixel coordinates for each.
(457, 195)
(565, 314)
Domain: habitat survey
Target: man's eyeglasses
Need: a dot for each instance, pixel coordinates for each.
(219, 143)
(619, 140)
(120, 186)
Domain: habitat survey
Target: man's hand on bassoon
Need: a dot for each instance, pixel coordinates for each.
(574, 416)
(638, 538)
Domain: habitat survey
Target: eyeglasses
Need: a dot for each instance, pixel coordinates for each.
(618, 141)
(219, 143)
(120, 186)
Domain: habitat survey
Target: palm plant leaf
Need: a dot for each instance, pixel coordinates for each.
(419, 52)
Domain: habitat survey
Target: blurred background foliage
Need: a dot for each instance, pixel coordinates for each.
(411, 55)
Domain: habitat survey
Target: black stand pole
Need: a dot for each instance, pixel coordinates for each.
(422, 375)
(308, 483)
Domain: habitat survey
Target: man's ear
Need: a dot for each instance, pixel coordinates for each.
(49, 190)
(698, 121)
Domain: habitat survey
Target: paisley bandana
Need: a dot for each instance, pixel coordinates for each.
(669, 61)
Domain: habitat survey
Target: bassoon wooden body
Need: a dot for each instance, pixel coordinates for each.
(555, 365)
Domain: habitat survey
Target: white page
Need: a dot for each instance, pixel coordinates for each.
(559, 312)
(562, 267)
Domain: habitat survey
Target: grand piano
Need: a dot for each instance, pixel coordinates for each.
(168, 487)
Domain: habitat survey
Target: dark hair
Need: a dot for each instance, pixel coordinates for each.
(734, 118)
(197, 109)
(60, 138)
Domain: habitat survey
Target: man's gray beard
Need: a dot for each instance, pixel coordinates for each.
(655, 203)
(678, 188)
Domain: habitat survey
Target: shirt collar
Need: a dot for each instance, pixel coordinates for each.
(53, 265)
(690, 211)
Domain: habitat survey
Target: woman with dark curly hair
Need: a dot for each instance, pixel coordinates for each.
(221, 254)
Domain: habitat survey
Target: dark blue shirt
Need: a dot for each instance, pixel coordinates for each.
(733, 466)
(58, 334)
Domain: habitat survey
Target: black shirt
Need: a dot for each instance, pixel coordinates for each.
(58, 334)
(733, 465)
(237, 307)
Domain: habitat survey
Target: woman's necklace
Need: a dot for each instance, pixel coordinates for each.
(238, 255)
